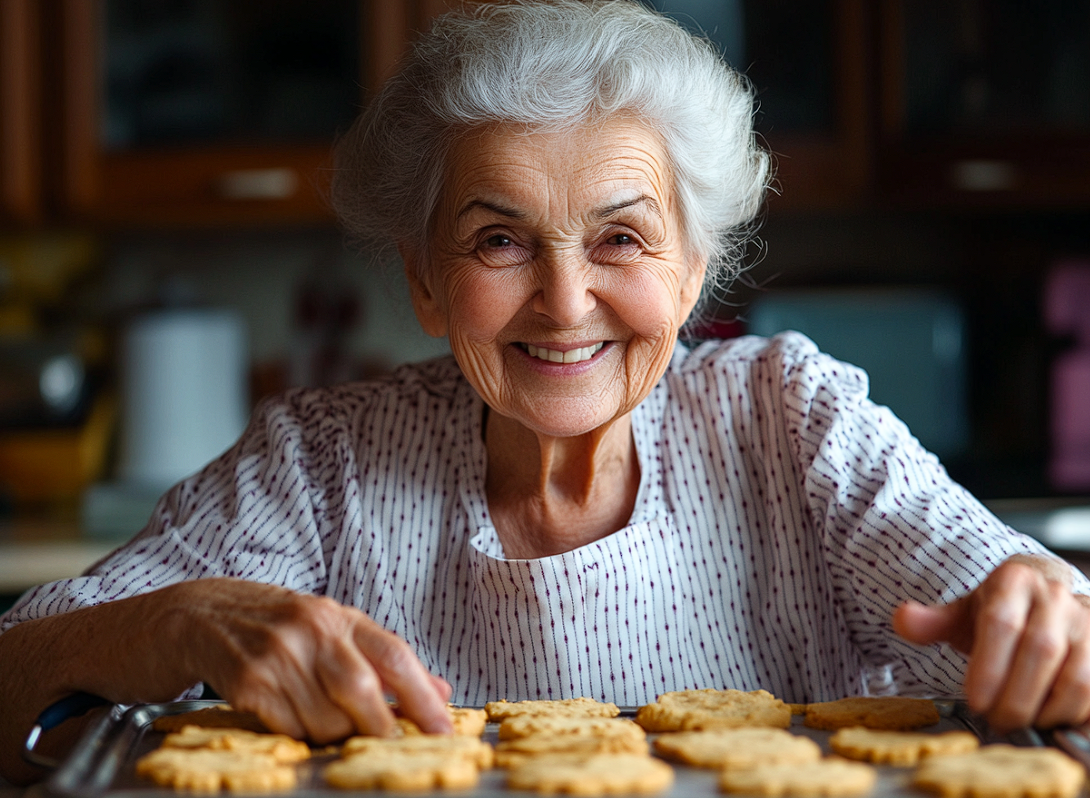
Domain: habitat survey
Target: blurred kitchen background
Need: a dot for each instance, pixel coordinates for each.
(167, 259)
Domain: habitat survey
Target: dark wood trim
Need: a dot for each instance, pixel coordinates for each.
(20, 112)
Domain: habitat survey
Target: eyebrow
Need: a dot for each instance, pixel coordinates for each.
(609, 210)
(502, 210)
(602, 213)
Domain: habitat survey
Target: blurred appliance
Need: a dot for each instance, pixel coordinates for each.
(1067, 313)
(911, 343)
(184, 401)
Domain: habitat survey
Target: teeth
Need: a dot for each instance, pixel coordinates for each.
(571, 356)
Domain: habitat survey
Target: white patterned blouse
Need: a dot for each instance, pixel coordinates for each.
(781, 517)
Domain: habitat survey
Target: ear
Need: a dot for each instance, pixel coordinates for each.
(429, 310)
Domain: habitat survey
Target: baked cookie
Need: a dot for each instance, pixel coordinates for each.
(205, 770)
(284, 749)
(530, 725)
(899, 748)
(475, 751)
(737, 748)
(565, 708)
(897, 713)
(221, 716)
(713, 709)
(599, 774)
(513, 753)
(1001, 771)
(467, 722)
(419, 770)
(825, 777)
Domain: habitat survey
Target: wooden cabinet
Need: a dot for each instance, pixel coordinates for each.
(20, 151)
(213, 113)
(985, 104)
(809, 65)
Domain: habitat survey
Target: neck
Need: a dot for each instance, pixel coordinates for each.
(548, 495)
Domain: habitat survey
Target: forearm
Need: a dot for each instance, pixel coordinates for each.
(124, 651)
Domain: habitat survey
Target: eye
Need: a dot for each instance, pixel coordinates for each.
(498, 241)
(621, 239)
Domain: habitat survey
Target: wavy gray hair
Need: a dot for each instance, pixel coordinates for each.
(549, 65)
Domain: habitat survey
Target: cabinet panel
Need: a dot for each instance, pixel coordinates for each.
(986, 104)
(213, 112)
(808, 63)
(20, 120)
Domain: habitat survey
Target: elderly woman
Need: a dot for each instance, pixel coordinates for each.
(574, 504)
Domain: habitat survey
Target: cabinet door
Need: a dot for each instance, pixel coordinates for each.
(807, 61)
(20, 153)
(214, 112)
(986, 102)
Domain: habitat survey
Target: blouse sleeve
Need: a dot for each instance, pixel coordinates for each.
(253, 513)
(894, 525)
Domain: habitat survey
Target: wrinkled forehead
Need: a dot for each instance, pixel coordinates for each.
(566, 171)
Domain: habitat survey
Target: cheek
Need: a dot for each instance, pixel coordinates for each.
(481, 305)
(651, 305)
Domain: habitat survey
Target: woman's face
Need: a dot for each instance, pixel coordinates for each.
(558, 271)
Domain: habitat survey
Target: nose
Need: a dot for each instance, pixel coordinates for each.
(564, 292)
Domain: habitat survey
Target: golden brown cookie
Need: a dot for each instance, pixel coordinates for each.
(899, 748)
(896, 713)
(797, 709)
(565, 707)
(284, 749)
(467, 721)
(599, 774)
(737, 748)
(473, 750)
(221, 716)
(1002, 771)
(206, 771)
(825, 777)
(530, 725)
(419, 770)
(513, 753)
(713, 709)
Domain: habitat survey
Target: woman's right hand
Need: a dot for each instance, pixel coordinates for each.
(306, 665)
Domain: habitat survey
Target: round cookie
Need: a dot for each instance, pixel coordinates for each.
(220, 716)
(897, 713)
(899, 748)
(284, 749)
(713, 709)
(204, 770)
(737, 748)
(599, 774)
(564, 708)
(514, 753)
(402, 771)
(475, 751)
(1002, 771)
(530, 725)
(467, 722)
(825, 777)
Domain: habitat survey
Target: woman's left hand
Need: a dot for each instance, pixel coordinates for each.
(1028, 642)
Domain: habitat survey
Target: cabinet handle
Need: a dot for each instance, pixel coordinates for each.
(258, 184)
(984, 175)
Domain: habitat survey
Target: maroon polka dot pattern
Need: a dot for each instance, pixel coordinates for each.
(781, 518)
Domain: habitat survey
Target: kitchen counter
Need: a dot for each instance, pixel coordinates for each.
(33, 551)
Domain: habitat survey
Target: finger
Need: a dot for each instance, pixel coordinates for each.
(442, 686)
(353, 685)
(924, 624)
(322, 718)
(999, 618)
(258, 690)
(1036, 661)
(420, 699)
(1068, 702)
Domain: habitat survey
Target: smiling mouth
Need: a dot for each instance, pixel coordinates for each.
(556, 356)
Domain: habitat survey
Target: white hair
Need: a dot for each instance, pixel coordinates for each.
(549, 65)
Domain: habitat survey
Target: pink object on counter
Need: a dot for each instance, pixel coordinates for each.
(1067, 312)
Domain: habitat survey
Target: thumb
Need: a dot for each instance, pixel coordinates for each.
(924, 624)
